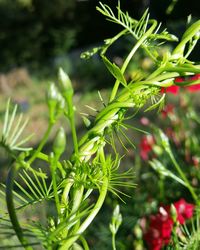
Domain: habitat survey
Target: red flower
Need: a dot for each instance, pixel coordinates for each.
(172, 89)
(146, 145)
(196, 87)
(193, 88)
(161, 224)
(160, 229)
(175, 89)
(184, 210)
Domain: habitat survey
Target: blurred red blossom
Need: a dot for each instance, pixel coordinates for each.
(184, 210)
(161, 225)
(144, 121)
(174, 89)
(146, 145)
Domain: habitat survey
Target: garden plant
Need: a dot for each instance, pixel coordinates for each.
(76, 185)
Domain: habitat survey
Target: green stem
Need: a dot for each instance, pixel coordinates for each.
(90, 218)
(84, 243)
(187, 36)
(103, 192)
(45, 157)
(183, 176)
(11, 207)
(161, 187)
(42, 143)
(129, 57)
(55, 190)
(113, 241)
(78, 195)
(71, 117)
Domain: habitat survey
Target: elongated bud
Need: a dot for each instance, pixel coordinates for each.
(164, 140)
(52, 94)
(116, 220)
(65, 84)
(173, 213)
(60, 104)
(52, 100)
(59, 143)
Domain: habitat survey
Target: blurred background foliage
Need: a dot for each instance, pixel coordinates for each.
(37, 34)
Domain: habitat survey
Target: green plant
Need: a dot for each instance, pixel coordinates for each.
(68, 184)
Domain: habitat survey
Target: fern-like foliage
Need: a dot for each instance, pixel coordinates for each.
(145, 30)
(13, 128)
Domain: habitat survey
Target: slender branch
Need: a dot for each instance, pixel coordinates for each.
(183, 176)
(42, 143)
(53, 163)
(103, 192)
(71, 117)
(11, 207)
(130, 55)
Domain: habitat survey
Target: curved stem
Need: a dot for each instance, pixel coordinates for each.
(183, 176)
(42, 143)
(11, 208)
(113, 242)
(103, 192)
(129, 57)
(53, 165)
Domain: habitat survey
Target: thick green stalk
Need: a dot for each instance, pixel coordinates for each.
(11, 207)
(103, 192)
(113, 241)
(90, 218)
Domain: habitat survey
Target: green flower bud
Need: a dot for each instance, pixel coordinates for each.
(164, 140)
(61, 104)
(86, 121)
(173, 213)
(52, 99)
(116, 220)
(65, 84)
(52, 94)
(59, 143)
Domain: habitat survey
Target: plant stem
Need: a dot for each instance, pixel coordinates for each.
(113, 241)
(183, 176)
(42, 143)
(55, 190)
(129, 57)
(11, 207)
(71, 117)
(84, 243)
(105, 182)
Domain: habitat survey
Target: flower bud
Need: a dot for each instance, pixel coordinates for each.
(116, 220)
(59, 143)
(61, 104)
(173, 213)
(164, 140)
(65, 84)
(52, 94)
(52, 99)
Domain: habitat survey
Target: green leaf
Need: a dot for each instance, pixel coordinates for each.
(114, 70)
(162, 170)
